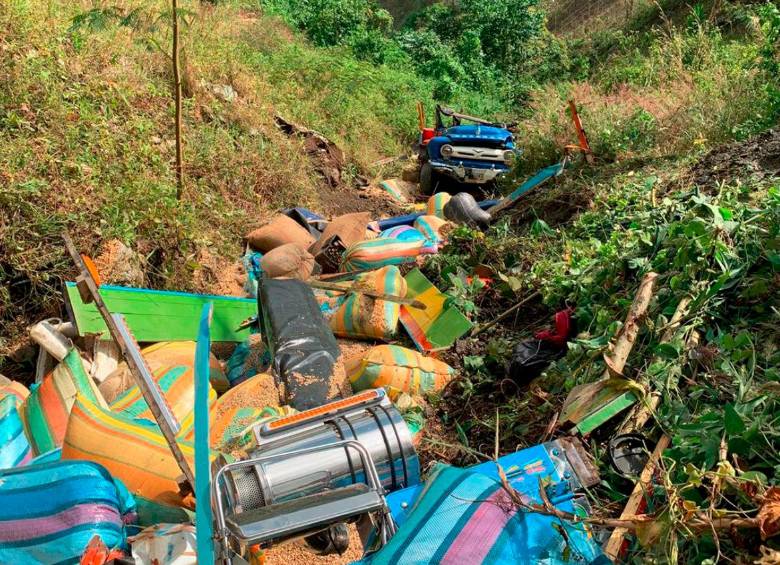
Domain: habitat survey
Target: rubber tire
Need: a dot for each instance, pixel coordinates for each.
(428, 179)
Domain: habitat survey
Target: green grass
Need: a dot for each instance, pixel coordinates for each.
(86, 126)
(663, 91)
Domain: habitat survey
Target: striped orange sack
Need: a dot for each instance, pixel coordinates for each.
(173, 371)
(380, 252)
(399, 369)
(253, 401)
(15, 389)
(361, 316)
(45, 411)
(436, 204)
(133, 451)
(232, 430)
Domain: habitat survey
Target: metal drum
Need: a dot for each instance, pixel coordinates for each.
(369, 418)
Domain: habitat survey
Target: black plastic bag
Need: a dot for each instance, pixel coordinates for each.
(302, 345)
(463, 208)
(530, 358)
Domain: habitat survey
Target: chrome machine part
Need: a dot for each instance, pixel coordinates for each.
(573, 462)
(283, 521)
(368, 418)
(479, 153)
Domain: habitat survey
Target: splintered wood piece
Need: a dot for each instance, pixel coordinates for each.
(615, 542)
(617, 357)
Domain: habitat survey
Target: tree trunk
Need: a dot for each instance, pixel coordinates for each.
(177, 100)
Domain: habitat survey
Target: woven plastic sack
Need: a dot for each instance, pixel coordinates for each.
(351, 228)
(464, 516)
(380, 252)
(431, 227)
(436, 204)
(45, 411)
(161, 356)
(176, 378)
(259, 391)
(48, 457)
(399, 369)
(232, 430)
(15, 389)
(329, 301)
(404, 233)
(133, 451)
(171, 544)
(251, 263)
(408, 233)
(50, 512)
(151, 513)
(15, 449)
(362, 316)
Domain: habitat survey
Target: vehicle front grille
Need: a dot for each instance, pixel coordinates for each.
(477, 153)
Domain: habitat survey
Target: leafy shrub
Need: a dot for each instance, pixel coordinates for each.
(471, 49)
(333, 22)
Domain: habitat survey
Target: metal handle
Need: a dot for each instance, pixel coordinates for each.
(368, 465)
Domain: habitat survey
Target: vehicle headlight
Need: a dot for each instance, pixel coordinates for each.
(509, 156)
(446, 150)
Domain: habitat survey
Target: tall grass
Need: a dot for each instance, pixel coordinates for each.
(669, 90)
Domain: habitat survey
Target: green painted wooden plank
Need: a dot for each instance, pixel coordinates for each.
(604, 413)
(158, 315)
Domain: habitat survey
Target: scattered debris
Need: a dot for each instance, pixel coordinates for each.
(328, 158)
(148, 416)
(439, 324)
(224, 92)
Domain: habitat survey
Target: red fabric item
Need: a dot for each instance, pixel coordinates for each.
(562, 329)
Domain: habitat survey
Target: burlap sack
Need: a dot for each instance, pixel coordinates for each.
(289, 261)
(279, 231)
(351, 228)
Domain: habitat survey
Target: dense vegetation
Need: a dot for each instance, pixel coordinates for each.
(652, 104)
(487, 55)
(86, 131)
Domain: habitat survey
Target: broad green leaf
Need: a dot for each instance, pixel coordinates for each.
(667, 351)
(733, 422)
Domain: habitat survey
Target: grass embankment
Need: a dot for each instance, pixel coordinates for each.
(86, 126)
(86, 129)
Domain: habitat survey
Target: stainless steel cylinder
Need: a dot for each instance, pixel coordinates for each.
(378, 426)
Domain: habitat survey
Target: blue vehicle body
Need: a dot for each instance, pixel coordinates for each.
(474, 153)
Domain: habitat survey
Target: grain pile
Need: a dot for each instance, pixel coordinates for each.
(295, 553)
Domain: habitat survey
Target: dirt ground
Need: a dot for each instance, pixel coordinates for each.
(756, 158)
(218, 275)
(343, 200)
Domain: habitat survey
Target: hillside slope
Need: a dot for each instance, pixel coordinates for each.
(679, 104)
(86, 126)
